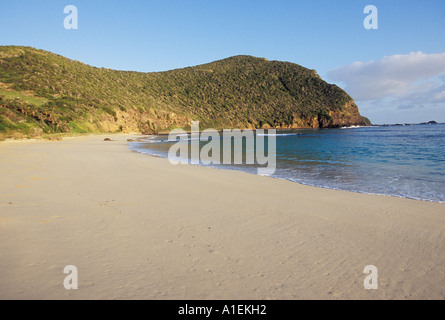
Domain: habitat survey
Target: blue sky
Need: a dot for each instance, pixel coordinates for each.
(326, 35)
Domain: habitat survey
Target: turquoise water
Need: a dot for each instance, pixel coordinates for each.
(404, 161)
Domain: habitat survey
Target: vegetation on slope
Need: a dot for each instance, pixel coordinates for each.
(44, 92)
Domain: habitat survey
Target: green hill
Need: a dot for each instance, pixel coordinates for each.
(42, 92)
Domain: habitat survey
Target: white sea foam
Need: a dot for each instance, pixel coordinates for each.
(277, 134)
(352, 127)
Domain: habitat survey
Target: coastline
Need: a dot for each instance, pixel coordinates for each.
(137, 227)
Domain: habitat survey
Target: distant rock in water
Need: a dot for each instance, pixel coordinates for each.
(57, 94)
(429, 122)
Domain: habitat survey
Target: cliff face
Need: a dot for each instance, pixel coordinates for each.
(349, 115)
(147, 122)
(44, 92)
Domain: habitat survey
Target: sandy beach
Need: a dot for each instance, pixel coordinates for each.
(137, 227)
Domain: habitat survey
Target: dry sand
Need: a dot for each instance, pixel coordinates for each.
(137, 227)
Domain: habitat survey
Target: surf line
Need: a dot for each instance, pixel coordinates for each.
(255, 147)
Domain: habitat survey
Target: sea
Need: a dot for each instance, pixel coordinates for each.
(398, 160)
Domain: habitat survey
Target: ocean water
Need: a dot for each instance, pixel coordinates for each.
(403, 161)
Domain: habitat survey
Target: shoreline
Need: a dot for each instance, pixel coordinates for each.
(162, 155)
(139, 228)
(300, 183)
